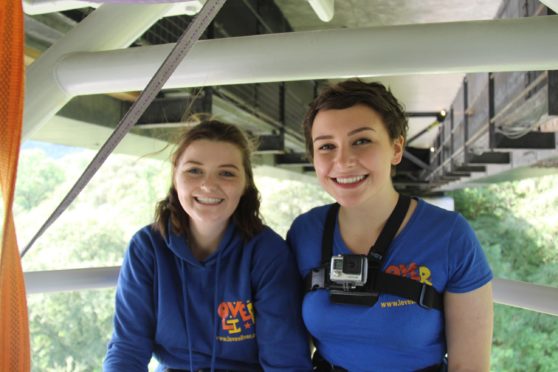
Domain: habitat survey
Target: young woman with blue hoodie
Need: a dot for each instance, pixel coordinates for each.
(208, 287)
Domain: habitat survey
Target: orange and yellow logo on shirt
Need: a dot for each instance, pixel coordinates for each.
(412, 271)
(237, 319)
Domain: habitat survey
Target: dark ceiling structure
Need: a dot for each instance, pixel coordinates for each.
(479, 79)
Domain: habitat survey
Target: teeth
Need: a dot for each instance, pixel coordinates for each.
(209, 200)
(349, 179)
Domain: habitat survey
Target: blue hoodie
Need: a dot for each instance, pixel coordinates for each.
(238, 309)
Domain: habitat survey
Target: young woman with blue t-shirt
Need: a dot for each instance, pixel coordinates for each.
(438, 296)
(208, 287)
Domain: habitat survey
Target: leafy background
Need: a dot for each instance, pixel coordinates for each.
(517, 224)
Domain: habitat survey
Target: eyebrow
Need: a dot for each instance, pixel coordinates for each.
(351, 133)
(195, 162)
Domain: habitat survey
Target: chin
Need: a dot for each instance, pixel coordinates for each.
(346, 200)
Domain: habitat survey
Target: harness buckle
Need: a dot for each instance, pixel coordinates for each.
(423, 294)
(317, 279)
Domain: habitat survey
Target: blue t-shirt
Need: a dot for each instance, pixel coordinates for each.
(436, 247)
(240, 306)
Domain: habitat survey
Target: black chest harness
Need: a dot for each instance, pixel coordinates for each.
(374, 281)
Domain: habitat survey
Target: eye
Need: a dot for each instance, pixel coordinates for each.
(193, 171)
(226, 173)
(326, 147)
(362, 141)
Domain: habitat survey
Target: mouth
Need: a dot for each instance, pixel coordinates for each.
(208, 201)
(349, 181)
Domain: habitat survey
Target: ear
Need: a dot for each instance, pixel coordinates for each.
(398, 149)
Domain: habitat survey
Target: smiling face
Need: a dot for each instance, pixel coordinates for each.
(210, 179)
(353, 154)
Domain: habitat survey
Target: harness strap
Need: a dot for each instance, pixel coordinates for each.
(424, 295)
(327, 237)
(381, 246)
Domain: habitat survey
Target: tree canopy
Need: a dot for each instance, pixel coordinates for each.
(517, 224)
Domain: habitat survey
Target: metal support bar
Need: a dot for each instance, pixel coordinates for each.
(414, 159)
(292, 159)
(471, 168)
(552, 86)
(431, 126)
(425, 114)
(531, 140)
(535, 297)
(170, 110)
(273, 143)
(491, 112)
(465, 118)
(71, 280)
(491, 158)
(282, 108)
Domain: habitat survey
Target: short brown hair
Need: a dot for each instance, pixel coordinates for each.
(353, 92)
(246, 216)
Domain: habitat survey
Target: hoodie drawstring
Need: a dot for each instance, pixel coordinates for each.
(186, 315)
(215, 313)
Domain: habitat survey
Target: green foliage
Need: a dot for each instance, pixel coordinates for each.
(70, 330)
(517, 226)
(283, 200)
(37, 177)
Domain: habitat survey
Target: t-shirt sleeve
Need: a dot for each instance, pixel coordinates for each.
(468, 266)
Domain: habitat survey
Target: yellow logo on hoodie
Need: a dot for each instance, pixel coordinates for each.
(237, 319)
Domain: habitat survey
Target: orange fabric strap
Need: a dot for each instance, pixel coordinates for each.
(14, 323)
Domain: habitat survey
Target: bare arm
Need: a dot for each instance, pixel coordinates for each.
(469, 325)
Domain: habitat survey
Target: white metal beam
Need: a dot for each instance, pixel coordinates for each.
(71, 280)
(479, 46)
(534, 297)
(108, 27)
(324, 9)
(34, 7)
(552, 4)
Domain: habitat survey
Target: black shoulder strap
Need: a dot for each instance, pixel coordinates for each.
(327, 236)
(424, 295)
(379, 249)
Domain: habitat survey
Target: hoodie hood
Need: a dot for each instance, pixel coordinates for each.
(178, 244)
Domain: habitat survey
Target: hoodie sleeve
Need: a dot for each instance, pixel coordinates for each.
(282, 340)
(131, 346)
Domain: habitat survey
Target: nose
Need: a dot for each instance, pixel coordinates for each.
(208, 183)
(345, 156)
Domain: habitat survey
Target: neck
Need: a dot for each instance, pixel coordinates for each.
(373, 213)
(204, 240)
(361, 225)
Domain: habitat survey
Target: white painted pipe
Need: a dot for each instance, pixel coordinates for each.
(34, 7)
(534, 297)
(108, 27)
(324, 9)
(71, 280)
(551, 4)
(539, 298)
(480, 46)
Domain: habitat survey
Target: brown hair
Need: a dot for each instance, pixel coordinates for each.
(247, 216)
(353, 92)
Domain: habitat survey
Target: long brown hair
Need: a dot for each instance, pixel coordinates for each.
(247, 216)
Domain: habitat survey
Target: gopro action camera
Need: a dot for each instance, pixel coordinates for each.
(349, 270)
